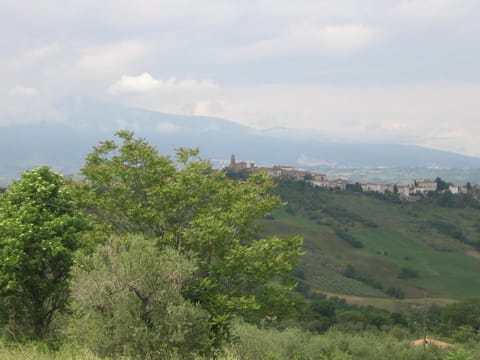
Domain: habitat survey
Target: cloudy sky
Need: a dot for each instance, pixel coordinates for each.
(403, 71)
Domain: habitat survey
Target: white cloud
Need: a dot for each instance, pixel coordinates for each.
(20, 90)
(62, 69)
(208, 108)
(173, 83)
(309, 161)
(132, 84)
(35, 55)
(458, 139)
(312, 39)
(395, 126)
(342, 38)
(434, 9)
(147, 83)
(112, 56)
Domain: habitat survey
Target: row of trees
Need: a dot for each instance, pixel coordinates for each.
(146, 254)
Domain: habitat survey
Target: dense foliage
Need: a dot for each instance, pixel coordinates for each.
(272, 344)
(127, 300)
(39, 232)
(206, 217)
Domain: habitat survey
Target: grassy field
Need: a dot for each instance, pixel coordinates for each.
(449, 274)
(432, 241)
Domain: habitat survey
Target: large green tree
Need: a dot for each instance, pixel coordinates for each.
(187, 205)
(39, 231)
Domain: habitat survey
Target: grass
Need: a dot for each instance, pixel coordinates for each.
(35, 352)
(449, 274)
(332, 282)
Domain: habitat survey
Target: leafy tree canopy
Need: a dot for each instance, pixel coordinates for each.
(466, 312)
(39, 231)
(187, 205)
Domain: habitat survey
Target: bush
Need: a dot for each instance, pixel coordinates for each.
(128, 302)
(351, 273)
(349, 239)
(40, 229)
(395, 292)
(254, 343)
(406, 273)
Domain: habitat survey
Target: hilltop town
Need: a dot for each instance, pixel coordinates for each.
(406, 191)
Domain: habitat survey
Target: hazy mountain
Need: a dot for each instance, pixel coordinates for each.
(64, 144)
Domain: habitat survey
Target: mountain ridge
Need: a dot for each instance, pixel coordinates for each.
(64, 144)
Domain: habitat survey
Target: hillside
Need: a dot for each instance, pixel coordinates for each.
(371, 240)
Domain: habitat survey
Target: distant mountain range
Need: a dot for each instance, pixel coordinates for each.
(64, 145)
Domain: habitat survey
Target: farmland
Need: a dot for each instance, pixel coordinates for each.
(436, 244)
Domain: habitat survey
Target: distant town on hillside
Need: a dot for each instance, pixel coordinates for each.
(409, 192)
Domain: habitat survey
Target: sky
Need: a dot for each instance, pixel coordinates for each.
(397, 71)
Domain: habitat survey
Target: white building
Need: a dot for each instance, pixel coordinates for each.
(453, 189)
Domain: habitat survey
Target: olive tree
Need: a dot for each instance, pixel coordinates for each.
(127, 301)
(39, 232)
(187, 205)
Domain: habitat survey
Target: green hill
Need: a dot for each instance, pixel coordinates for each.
(378, 250)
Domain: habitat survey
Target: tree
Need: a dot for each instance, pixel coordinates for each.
(354, 187)
(350, 271)
(466, 312)
(127, 301)
(198, 211)
(321, 315)
(441, 185)
(406, 273)
(39, 231)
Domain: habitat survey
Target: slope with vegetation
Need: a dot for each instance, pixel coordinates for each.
(382, 245)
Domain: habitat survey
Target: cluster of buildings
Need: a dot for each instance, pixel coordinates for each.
(277, 171)
(321, 180)
(417, 188)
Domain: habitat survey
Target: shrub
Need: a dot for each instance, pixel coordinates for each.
(128, 302)
(406, 273)
(349, 239)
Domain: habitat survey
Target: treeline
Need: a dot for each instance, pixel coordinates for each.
(453, 201)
